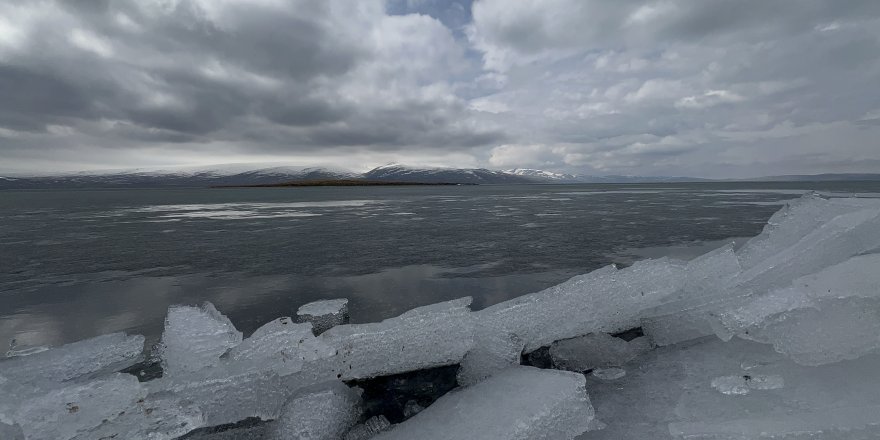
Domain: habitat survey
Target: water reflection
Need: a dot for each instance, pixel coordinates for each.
(138, 304)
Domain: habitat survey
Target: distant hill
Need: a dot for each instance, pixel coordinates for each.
(401, 173)
(542, 176)
(201, 177)
(249, 174)
(817, 177)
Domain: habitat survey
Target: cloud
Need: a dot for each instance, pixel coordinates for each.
(694, 87)
(290, 77)
(682, 86)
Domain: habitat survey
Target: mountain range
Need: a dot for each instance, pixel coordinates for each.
(250, 174)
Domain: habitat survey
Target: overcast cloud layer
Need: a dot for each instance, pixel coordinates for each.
(718, 88)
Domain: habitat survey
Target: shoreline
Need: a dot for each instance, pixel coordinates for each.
(346, 182)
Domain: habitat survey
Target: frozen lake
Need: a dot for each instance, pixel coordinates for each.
(76, 264)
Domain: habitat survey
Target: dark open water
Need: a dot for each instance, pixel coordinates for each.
(75, 264)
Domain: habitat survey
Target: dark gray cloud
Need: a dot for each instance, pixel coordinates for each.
(695, 87)
(282, 77)
(684, 87)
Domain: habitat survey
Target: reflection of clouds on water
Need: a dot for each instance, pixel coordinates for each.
(239, 215)
(240, 211)
(680, 251)
(621, 191)
(756, 203)
(256, 256)
(761, 191)
(285, 205)
(138, 304)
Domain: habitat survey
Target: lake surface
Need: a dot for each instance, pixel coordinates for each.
(75, 264)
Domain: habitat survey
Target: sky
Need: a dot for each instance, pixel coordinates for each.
(705, 88)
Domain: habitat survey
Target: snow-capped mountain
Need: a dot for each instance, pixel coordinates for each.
(235, 174)
(402, 173)
(258, 174)
(544, 176)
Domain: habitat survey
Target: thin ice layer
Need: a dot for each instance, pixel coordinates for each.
(425, 337)
(280, 345)
(606, 300)
(594, 350)
(195, 338)
(89, 357)
(520, 403)
(323, 412)
(493, 351)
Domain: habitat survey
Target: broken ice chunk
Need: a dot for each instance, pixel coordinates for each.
(593, 350)
(324, 314)
(493, 351)
(151, 418)
(786, 227)
(677, 327)
(62, 413)
(793, 222)
(833, 242)
(605, 300)
(280, 345)
(832, 331)
(517, 403)
(710, 272)
(425, 337)
(823, 317)
(226, 395)
(684, 315)
(858, 276)
(368, 429)
(324, 411)
(855, 277)
(195, 338)
(738, 319)
(89, 357)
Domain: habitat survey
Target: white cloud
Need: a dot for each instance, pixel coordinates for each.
(643, 87)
